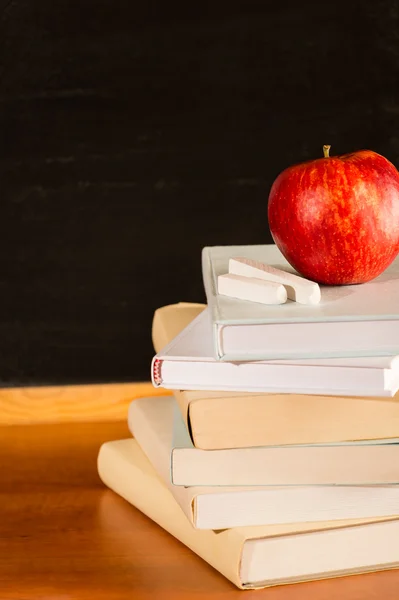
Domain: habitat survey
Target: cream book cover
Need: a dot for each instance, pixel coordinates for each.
(349, 463)
(253, 557)
(217, 419)
(153, 422)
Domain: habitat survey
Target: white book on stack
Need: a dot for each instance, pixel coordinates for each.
(187, 363)
(351, 320)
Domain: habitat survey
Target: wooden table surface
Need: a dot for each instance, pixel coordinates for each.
(64, 536)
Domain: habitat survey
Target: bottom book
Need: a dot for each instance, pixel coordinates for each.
(254, 557)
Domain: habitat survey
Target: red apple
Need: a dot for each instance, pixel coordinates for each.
(336, 219)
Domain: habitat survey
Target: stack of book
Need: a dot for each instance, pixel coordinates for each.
(277, 458)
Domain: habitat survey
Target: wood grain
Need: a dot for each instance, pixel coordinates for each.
(63, 536)
(64, 404)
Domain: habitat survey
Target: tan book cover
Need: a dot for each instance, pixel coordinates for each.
(157, 426)
(219, 420)
(253, 557)
(170, 320)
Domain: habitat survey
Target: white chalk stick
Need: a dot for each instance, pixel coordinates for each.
(298, 288)
(249, 288)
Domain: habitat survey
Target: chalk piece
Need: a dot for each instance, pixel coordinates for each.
(252, 289)
(298, 288)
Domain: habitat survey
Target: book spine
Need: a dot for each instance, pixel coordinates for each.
(156, 372)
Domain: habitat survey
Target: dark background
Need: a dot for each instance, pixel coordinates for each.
(135, 133)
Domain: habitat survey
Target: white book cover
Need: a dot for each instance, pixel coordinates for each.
(152, 421)
(250, 557)
(352, 320)
(347, 463)
(187, 363)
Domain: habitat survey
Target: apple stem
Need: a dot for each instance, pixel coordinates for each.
(326, 151)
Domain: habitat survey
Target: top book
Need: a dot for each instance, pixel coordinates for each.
(351, 320)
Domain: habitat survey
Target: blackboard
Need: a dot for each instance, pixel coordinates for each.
(135, 133)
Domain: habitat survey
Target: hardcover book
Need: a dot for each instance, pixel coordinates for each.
(352, 320)
(220, 507)
(253, 557)
(187, 363)
(217, 419)
(348, 463)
